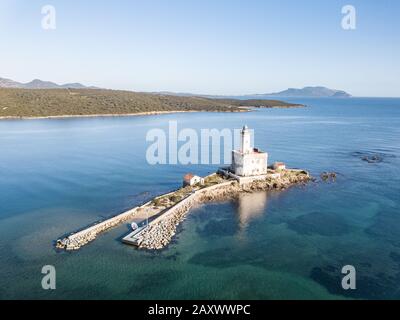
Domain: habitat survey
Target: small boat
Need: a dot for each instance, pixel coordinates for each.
(134, 226)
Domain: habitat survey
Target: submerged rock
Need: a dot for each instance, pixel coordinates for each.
(328, 176)
(372, 157)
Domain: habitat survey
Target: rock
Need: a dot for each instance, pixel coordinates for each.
(328, 176)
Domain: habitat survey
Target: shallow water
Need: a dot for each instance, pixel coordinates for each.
(57, 176)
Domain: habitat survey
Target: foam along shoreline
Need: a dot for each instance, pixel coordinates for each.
(170, 210)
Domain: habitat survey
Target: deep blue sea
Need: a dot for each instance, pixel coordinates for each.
(59, 175)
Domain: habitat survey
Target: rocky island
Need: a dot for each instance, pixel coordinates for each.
(248, 173)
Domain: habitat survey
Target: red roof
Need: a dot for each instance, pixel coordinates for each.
(188, 177)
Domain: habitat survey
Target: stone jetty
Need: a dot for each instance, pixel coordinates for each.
(162, 229)
(77, 240)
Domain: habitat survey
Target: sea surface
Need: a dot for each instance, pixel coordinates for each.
(59, 175)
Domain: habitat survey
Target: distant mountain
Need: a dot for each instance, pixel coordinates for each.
(76, 85)
(40, 84)
(7, 83)
(306, 92)
(291, 92)
(311, 92)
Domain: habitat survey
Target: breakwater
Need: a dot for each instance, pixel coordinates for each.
(161, 230)
(77, 240)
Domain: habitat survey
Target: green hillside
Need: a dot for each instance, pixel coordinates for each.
(60, 102)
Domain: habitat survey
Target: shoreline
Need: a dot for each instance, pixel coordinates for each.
(148, 113)
(107, 115)
(170, 209)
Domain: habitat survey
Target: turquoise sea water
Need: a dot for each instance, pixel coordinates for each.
(57, 176)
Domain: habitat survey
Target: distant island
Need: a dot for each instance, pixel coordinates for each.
(307, 92)
(69, 102)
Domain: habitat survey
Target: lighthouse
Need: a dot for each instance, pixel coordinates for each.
(248, 161)
(245, 144)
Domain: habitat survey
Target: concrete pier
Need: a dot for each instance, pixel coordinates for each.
(76, 240)
(162, 227)
(135, 237)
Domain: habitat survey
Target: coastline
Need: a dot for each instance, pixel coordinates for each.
(106, 115)
(149, 113)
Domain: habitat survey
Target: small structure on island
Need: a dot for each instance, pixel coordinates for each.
(248, 161)
(191, 180)
(279, 166)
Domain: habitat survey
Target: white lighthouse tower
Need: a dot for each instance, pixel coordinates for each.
(245, 141)
(248, 161)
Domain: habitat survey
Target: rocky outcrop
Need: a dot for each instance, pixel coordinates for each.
(160, 233)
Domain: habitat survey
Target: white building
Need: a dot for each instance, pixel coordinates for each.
(191, 180)
(248, 161)
(278, 166)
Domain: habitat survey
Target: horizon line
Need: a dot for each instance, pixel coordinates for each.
(178, 93)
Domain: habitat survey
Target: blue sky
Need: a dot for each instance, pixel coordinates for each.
(205, 46)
